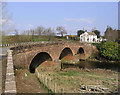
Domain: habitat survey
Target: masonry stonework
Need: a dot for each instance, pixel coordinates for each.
(25, 54)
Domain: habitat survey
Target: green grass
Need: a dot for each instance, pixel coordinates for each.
(84, 75)
(69, 73)
(68, 61)
(37, 39)
(29, 38)
(23, 38)
(28, 74)
(75, 73)
(71, 79)
(43, 86)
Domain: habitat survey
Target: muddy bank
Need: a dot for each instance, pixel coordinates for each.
(27, 82)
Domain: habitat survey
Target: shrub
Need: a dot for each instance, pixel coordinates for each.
(110, 50)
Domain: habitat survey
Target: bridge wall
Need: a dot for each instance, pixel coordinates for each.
(25, 54)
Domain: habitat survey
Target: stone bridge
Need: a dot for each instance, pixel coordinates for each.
(33, 55)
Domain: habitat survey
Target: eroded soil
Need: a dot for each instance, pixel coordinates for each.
(27, 82)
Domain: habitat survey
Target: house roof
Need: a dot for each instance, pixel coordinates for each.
(72, 35)
(91, 33)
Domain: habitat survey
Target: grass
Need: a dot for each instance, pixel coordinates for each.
(23, 38)
(85, 75)
(37, 39)
(4, 65)
(43, 86)
(69, 73)
(71, 79)
(28, 74)
(29, 38)
(68, 61)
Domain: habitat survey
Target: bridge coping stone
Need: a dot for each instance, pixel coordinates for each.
(10, 84)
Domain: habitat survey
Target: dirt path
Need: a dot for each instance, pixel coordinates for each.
(27, 82)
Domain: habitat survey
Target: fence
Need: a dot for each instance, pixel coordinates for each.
(49, 83)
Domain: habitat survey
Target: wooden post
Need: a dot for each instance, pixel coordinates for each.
(55, 87)
(41, 78)
(62, 91)
(46, 81)
(61, 66)
(38, 74)
(50, 83)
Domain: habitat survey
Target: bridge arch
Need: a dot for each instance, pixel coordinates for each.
(65, 52)
(39, 59)
(80, 51)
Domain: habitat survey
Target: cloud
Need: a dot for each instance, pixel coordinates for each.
(6, 21)
(82, 20)
(29, 26)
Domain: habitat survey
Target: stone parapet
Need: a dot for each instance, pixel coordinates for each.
(10, 84)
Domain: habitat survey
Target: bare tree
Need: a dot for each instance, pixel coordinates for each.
(61, 30)
(50, 33)
(32, 32)
(26, 37)
(39, 30)
(16, 32)
(25, 32)
(6, 19)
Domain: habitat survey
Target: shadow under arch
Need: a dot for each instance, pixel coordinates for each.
(65, 52)
(80, 51)
(39, 59)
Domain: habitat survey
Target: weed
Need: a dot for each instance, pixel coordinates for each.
(43, 86)
(28, 74)
(49, 74)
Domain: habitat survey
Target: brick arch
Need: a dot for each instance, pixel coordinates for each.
(38, 59)
(27, 53)
(34, 53)
(65, 51)
(81, 48)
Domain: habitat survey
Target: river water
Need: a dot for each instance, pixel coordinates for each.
(94, 65)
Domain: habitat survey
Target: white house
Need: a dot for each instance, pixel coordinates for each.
(90, 37)
(101, 39)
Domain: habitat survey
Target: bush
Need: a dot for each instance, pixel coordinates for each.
(118, 41)
(97, 45)
(110, 50)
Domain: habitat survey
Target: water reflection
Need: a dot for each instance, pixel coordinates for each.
(93, 65)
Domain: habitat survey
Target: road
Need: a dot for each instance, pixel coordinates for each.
(3, 53)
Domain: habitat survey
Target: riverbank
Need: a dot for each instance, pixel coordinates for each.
(27, 82)
(71, 80)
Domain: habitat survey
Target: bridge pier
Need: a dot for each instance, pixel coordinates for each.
(57, 61)
(34, 55)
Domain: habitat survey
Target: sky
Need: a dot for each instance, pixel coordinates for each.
(119, 15)
(72, 15)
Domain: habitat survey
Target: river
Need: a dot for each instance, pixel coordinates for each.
(93, 65)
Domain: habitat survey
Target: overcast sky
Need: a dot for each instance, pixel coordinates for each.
(72, 15)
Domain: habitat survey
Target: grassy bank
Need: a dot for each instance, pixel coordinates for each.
(29, 38)
(23, 38)
(70, 79)
(4, 65)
